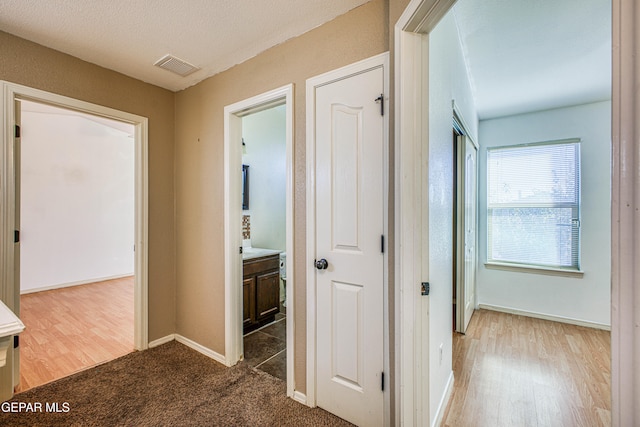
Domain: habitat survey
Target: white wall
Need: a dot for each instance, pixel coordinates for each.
(77, 199)
(449, 81)
(264, 134)
(585, 299)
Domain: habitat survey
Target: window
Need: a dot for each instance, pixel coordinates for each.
(533, 201)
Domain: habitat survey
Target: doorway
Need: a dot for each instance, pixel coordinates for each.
(9, 286)
(412, 60)
(76, 221)
(264, 174)
(242, 284)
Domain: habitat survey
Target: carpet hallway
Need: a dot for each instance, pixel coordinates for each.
(170, 385)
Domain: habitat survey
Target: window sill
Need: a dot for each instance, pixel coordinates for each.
(550, 271)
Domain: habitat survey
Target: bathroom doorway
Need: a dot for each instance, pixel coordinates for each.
(264, 239)
(258, 272)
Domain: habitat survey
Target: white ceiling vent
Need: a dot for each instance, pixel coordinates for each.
(175, 65)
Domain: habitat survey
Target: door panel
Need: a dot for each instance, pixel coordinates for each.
(346, 346)
(267, 295)
(248, 301)
(345, 146)
(470, 226)
(349, 222)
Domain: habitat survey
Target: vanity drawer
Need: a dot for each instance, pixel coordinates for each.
(259, 265)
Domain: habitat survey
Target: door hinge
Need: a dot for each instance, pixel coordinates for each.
(16, 236)
(17, 131)
(424, 288)
(240, 250)
(380, 99)
(382, 243)
(382, 381)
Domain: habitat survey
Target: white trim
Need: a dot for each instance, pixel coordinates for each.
(543, 316)
(12, 91)
(71, 284)
(625, 226)
(163, 340)
(381, 60)
(232, 212)
(534, 269)
(411, 205)
(202, 349)
(300, 397)
(442, 407)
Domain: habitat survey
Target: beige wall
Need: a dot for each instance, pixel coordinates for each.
(186, 280)
(33, 65)
(356, 35)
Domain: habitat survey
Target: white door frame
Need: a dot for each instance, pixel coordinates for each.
(411, 62)
(412, 208)
(625, 223)
(232, 216)
(312, 84)
(12, 91)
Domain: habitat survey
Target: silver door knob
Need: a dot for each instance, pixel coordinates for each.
(321, 264)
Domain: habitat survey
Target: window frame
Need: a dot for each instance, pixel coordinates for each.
(572, 270)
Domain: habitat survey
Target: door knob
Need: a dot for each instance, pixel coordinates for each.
(321, 264)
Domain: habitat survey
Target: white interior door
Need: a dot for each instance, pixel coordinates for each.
(470, 208)
(349, 137)
(16, 254)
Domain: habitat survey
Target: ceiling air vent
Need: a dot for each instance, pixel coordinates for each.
(175, 65)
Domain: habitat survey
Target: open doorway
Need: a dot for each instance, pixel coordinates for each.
(264, 240)
(10, 291)
(77, 204)
(410, 52)
(254, 290)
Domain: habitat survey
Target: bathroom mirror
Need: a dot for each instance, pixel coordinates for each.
(245, 187)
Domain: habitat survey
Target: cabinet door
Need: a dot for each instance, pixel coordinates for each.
(267, 295)
(248, 301)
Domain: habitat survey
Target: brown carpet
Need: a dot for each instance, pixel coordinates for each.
(170, 385)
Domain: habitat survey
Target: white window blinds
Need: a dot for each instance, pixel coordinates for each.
(533, 204)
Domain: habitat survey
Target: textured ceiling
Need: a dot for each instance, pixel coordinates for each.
(130, 36)
(530, 55)
(522, 55)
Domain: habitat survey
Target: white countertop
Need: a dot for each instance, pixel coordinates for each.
(251, 253)
(10, 324)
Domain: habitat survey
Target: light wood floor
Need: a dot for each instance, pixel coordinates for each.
(517, 371)
(75, 328)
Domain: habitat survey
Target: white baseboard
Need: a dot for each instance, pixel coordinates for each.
(300, 397)
(70, 284)
(446, 396)
(546, 316)
(163, 340)
(202, 349)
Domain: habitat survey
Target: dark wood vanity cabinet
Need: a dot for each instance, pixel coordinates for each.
(261, 291)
